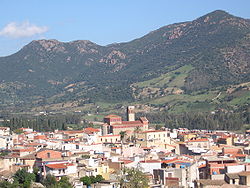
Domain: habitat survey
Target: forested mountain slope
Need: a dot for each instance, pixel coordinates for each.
(205, 54)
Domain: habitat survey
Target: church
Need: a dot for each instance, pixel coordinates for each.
(113, 124)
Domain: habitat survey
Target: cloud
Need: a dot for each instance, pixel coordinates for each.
(24, 29)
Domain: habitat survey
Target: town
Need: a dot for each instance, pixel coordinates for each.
(117, 152)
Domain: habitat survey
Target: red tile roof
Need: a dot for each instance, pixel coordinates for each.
(126, 161)
(69, 139)
(240, 155)
(127, 125)
(199, 140)
(59, 165)
(131, 122)
(42, 137)
(91, 130)
(109, 136)
(170, 161)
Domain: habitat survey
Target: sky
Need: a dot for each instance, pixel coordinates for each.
(100, 21)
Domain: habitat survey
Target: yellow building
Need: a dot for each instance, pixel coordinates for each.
(103, 169)
(109, 139)
(154, 138)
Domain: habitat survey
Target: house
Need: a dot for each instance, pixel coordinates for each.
(244, 178)
(22, 151)
(49, 154)
(207, 183)
(170, 177)
(28, 160)
(6, 142)
(154, 138)
(232, 178)
(216, 165)
(148, 166)
(198, 145)
(4, 131)
(107, 184)
(108, 139)
(59, 169)
(45, 156)
(91, 135)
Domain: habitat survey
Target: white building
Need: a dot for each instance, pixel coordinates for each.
(6, 142)
(149, 165)
(59, 169)
(4, 131)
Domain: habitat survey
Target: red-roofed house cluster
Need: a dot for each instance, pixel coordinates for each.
(169, 158)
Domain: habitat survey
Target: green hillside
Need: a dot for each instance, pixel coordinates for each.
(179, 67)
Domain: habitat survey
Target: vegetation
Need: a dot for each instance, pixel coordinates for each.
(23, 179)
(88, 180)
(216, 120)
(133, 177)
(42, 123)
(51, 182)
(122, 135)
(184, 57)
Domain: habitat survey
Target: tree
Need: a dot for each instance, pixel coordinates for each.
(36, 172)
(136, 131)
(133, 177)
(24, 178)
(6, 184)
(122, 136)
(64, 183)
(99, 178)
(158, 127)
(86, 180)
(18, 131)
(49, 181)
(92, 179)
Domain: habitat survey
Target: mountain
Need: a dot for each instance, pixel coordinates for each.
(208, 54)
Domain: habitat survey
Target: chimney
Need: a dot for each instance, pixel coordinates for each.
(131, 113)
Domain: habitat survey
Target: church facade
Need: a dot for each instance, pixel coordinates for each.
(113, 124)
